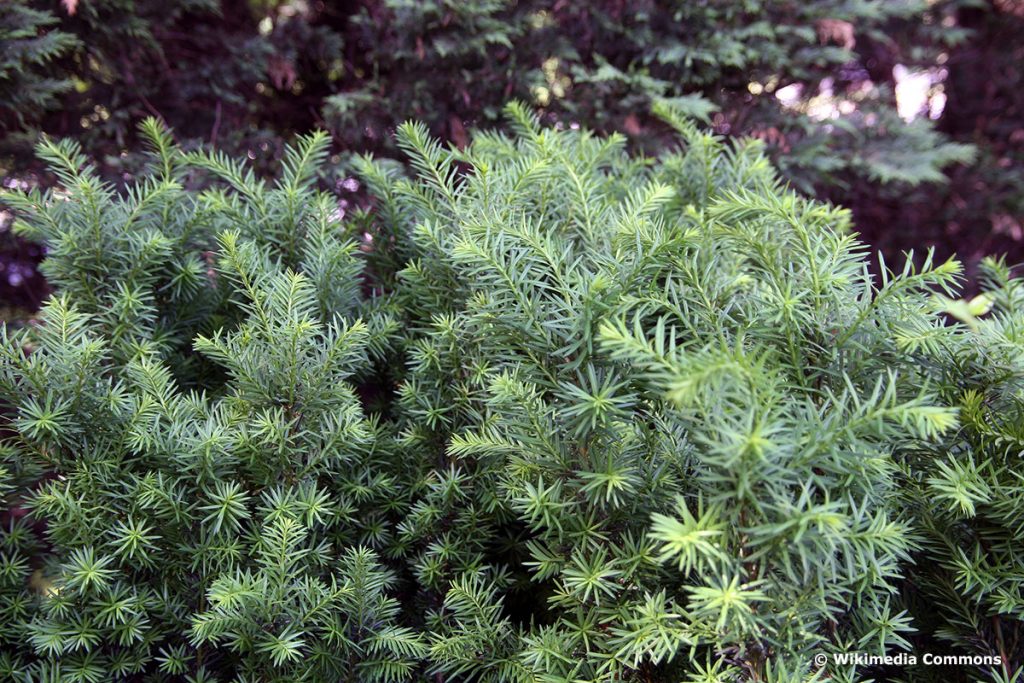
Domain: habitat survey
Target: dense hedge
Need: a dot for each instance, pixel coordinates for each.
(547, 412)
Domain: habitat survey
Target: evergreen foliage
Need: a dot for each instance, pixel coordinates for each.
(547, 412)
(966, 496)
(26, 48)
(602, 64)
(199, 341)
(243, 73)
(246, 76)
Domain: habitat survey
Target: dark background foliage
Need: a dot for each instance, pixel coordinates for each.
(246, 76)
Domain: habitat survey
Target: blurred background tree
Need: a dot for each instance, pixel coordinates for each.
(907, 111)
